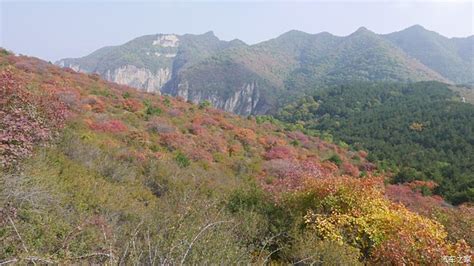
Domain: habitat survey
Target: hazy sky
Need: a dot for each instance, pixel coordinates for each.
(54, 30)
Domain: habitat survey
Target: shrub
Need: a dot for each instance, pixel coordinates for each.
(196, 129)
(279, 152)
(350, 169)
(205, 104)
(271, 141)
(160, 126)
(94, 103)
(175, 113)
(367, 167)
(182, 159)
(133, 105)
(151, 110)
(209, 121)
(245, 135)
(109, 126)
(354, 211)
(199, 155)
(25, 119)
(336, 159)
(309, 249)
(279, 168)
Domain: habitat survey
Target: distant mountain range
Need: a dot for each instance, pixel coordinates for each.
(254, 79)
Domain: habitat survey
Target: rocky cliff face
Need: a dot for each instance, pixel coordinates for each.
(244, 101)
(140, 78)
(144, 63)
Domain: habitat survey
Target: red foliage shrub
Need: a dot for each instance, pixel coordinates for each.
(297, 135)
(363, 154)
(350, 169)
(329, 167)
(26, 66)
(368, 167)
(290, 174)
(109, 126)
(175, 140)
(271, 141)
(280, 168)
(413, 200)
(245, 135)
(132, 105)
(198, 155)
(131, 156)
(197, 129)
(279, 152)
(211, 143)
(223, 123)
(96, 104)
(234, 149)
(418, 184)
(209, 121)
(69, 97)
(26, 119)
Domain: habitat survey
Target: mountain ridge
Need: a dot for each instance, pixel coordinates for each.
(249, 79)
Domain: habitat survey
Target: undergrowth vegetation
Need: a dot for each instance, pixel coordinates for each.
(126, 177)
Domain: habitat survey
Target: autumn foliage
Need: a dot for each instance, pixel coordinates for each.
(135, 174)
(26, 119)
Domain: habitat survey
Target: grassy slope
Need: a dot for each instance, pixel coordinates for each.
(125, 176)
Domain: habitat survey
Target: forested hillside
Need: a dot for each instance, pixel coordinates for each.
(451, 57)
(421, 131)
(257, 79)
(95, 172)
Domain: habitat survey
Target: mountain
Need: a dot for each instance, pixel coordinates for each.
(255, 79)
(93, 172)
(453, 58)
(148, 62)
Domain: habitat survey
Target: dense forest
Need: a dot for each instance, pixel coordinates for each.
(420, 131)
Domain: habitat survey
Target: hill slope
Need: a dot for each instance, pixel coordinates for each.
(251, 79)
(95, 172)
(423, 129)
(453, 58)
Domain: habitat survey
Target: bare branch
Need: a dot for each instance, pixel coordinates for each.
(197, 236)
(8, 261)
(17, 233)
(94, 255)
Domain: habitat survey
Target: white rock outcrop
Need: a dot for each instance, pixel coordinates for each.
(140, 78)
(169, 40)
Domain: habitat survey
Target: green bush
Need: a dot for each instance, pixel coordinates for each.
(182, 160)
(205, 104)
(335, 159)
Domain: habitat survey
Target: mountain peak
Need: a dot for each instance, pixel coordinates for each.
(362, 30)
(293, 33)
(417, 27)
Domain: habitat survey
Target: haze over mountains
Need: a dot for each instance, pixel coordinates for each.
(252, 79)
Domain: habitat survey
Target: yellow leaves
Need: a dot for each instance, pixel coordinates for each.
(416, 126)
(324, 227)
(355, 212)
